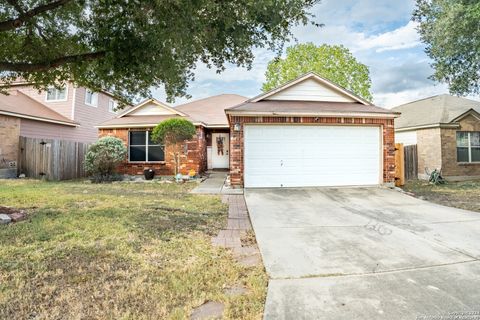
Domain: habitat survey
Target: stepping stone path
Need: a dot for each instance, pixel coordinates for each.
(235, 291)
(208, 310)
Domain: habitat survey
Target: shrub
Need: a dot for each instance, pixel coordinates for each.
(103, 157)
(172, 133)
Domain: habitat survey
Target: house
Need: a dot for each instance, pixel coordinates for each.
(208, 150)
(308, 132)
(446, 130)
(68, 113)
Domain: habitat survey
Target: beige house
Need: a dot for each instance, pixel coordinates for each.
(446, 130)
(68, 113)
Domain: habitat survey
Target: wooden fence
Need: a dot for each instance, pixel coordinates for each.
(52, 159)
(411, 162)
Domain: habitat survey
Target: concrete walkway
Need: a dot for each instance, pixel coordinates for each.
(215, 184)
(365, 253)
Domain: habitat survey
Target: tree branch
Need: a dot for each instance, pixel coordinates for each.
(27, 15)
(51, 64)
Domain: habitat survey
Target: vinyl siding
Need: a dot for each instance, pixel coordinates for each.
(408, 138)
(39, 129)
(62, 107)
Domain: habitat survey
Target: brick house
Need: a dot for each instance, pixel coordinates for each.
(309, 132)
(446, 130)
(208, 149)
(68, 113)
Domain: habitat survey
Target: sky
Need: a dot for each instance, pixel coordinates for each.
(379, 33)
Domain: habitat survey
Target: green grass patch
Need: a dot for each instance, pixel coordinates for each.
(117, 251)
(463, 195)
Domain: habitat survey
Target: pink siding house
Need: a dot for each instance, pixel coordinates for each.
(70, 113)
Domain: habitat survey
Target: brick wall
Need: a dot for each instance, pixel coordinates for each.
(429, 151)
(195, 157)
(451, 168)
(9, 137)
(237, 143)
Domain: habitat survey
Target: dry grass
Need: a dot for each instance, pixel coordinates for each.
(118, 251)
(463, 195)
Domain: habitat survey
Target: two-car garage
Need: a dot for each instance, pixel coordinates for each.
(311, 155)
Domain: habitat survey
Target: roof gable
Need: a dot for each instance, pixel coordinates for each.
(311, 87)
(151, 107)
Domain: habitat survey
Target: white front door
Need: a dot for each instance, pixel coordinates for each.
(311, 155)
(220, 150)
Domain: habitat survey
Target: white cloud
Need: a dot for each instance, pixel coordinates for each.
(402, 38)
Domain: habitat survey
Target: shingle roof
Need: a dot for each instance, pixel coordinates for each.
(211, 110)
(306, 107)
(434, 110)
(20, 105)
(136, 121)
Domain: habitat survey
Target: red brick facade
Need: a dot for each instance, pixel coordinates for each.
(194, 158)
(237, 143)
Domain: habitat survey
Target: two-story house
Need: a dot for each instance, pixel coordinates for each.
(68, 113)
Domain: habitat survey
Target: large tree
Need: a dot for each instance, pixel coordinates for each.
(335, 63)
(128, 46)
(451, 31)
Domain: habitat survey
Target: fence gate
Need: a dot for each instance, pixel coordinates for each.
(411, 162)
(52, 159)
(399, 165)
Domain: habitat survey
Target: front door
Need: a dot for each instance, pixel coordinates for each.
(220, 150)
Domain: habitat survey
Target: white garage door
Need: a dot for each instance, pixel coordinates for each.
(307, 156)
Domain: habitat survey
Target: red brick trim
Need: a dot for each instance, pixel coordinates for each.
(237, 139)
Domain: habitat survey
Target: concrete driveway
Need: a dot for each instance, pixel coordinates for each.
(364, 253)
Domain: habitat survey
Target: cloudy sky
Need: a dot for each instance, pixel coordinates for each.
(380, 35)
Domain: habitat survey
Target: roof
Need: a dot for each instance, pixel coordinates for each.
(211, 110)
(20, 105)
(436, 110)
(311, 75)
(145, 102)
(307, 108)
(136, 121)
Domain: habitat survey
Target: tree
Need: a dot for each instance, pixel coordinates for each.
(127, 46)
(451, 31)
(334, 63)
(103, 157)
(173, 133)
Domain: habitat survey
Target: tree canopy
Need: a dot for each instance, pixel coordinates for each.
(129, 46)
(335, 63)
(451, 31)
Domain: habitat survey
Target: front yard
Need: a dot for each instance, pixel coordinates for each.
(463, 195)
(118, 251)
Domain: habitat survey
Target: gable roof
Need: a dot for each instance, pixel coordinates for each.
(322, 83)
(18, 104)
(151, 101)
(211, 110)
(434, 111)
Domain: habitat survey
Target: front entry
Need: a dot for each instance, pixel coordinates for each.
(220, 150)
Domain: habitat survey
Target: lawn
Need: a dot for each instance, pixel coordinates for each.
(463, 195)
(118, 251)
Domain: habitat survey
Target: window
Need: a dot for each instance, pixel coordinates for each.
(54, 94)
(468, 146)
(91, 98)
(141, 148)
(112, 105)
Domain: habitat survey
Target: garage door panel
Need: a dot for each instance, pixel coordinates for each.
(304, 155)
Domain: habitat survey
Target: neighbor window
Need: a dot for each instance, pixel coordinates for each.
(112, 105)
(91, 98)
(54, 94)
(468, 146)
(142, 148)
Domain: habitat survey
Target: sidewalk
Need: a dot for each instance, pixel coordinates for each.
(215, 184)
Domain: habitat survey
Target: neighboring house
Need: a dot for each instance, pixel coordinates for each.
(209, 149)
(446, 130)
(308, 132)
(70, 113)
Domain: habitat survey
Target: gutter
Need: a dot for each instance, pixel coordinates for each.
(313, 114)
(429, 126)
(19, 115)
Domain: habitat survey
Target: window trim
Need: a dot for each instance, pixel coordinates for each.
(56, 100)
(115, 105)
(93, 93)
(469, 147)
(146, 148)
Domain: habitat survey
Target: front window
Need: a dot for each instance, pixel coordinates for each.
(56, 94)
(468, 146)
(91, 98)
(142, 149)
(112, 105)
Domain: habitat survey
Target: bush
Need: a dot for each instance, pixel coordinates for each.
(103, 157)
